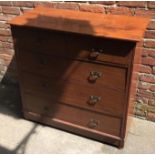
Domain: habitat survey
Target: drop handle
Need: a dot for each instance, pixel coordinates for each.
(93, 76)
(93, 55)
(93, 100)
(93, 123)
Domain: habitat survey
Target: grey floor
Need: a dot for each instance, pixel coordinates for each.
(21, 136)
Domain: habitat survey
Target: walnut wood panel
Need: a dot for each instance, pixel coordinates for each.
(63, 69)
(91, 120)
(75, 93)
(110, 26)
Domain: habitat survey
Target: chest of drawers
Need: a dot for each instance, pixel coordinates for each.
(76, 70)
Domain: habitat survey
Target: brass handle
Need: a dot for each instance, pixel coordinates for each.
(93, 100)
(93, 76)
(93, 55)
(93, 123)
(101, 51)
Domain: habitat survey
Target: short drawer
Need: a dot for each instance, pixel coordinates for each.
(64, 69)
(100, 49)
(90, 120)
(76, 93)
(37, 40)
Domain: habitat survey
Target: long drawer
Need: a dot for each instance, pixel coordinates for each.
(79, 94)
(90, 120)
(64, 69)
(75, 46)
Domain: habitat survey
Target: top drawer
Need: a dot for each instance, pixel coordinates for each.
(75, 46)
(100, 49)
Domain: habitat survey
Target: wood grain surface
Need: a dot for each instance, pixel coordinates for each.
(109, 26)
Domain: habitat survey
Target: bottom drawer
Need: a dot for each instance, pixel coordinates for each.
(92, 121)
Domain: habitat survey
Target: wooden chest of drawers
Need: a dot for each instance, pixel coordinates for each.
(75, 70)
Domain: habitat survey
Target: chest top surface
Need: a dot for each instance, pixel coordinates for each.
(107, 26)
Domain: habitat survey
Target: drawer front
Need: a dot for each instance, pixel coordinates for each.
(100, 50)
(90, 120)
(40, 40)
(76, 46)
(75, 93)
(64, 69)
